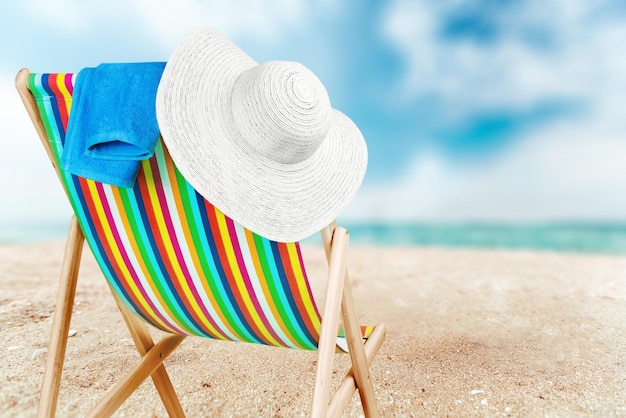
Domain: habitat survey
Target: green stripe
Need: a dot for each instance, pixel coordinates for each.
(148, 256)
(167, 189)
(188, 197)
(274, 287)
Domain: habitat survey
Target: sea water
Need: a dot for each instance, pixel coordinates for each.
(569, 237)
(31, 232)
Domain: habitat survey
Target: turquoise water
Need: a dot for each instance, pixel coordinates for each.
(20, 233)
(574, 237)
(588, 238)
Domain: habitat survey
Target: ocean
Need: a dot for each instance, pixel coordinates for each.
(565, 237)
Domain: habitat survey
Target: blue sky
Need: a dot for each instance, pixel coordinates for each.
(490, 110)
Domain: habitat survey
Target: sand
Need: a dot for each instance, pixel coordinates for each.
(470, 333)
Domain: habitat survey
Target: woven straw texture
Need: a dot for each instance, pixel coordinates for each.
(261, 142)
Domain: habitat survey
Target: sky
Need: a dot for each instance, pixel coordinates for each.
(488, 110)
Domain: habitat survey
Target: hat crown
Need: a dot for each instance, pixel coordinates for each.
(281, 110)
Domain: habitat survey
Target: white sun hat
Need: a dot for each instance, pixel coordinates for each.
(261, 142)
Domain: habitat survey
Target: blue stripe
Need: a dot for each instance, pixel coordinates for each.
(45, 83)
(276, 278)
(148, 250)
(290, 296)
(164, 278)
(209, 276)
(242, 322)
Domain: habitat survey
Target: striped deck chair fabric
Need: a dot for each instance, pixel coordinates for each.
(175, 260)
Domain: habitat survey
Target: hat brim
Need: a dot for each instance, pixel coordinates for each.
(282, 202)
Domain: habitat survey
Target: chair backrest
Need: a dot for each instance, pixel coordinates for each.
(176, 260)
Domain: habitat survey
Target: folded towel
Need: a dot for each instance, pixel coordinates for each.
(112, 125)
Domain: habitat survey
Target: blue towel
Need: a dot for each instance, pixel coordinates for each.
(112, 125)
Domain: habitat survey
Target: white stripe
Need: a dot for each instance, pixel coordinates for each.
(117, 220)
(258, 290)
(184, 248)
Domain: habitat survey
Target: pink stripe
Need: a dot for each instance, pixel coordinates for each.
(246, 278)
(158, 184)
(68, 83)
(105, 205)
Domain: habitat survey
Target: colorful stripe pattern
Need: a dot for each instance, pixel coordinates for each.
(176, 260)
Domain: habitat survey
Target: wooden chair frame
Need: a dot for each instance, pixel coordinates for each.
(339, 305)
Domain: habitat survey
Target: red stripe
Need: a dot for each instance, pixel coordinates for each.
(293, 285)
(162, 252)
(124, 254)
(219, 244)
(158, 184)
(246, 279)
(58, 95)
(93, 214)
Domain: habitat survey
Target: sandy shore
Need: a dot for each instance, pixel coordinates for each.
(470, 333)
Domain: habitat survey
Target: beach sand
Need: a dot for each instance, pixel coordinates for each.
(470, 333)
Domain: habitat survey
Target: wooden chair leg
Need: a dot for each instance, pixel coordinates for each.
(348, 384)
(330, 324)
(360, 370)
(61, 321)
(143, 340)
(152, 360)
(356, 350)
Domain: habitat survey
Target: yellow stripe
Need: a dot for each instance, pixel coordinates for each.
(60, 82)
(113, 246)
(266, 291)
(169, 248)
(234, 267)
(138, 257)
(302, 287)
(168, 169)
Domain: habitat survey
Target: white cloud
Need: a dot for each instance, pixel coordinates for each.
(571, 169)
(166, 22)
(559, 174)
(582, 58)
(65, 16)
(169, 21)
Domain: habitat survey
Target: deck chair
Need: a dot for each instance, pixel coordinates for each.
(174, 261)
